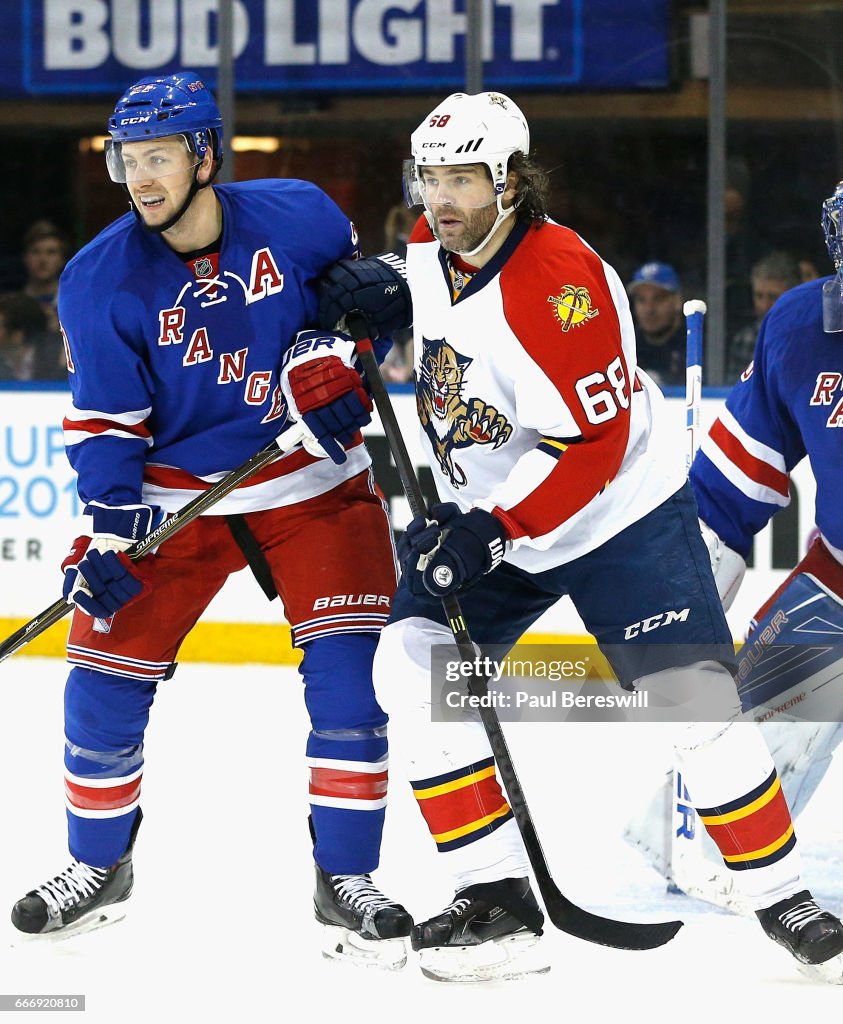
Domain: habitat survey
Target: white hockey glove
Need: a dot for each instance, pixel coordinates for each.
(325, 392)
(727, 565)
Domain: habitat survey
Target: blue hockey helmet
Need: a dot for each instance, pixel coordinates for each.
(833, 288)
(833, 226)
(156, 107)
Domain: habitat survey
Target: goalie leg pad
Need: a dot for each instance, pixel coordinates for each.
(794, 651)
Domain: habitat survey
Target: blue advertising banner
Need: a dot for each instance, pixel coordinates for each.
(55, 47)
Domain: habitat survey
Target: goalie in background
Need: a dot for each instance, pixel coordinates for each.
(788, 404)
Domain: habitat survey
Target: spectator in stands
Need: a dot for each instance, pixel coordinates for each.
(22, 321)
(656, 298)
(771, 276)
(45, 252)
(398, 365)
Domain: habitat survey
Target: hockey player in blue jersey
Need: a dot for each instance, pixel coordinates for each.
(788, 404)
(185, 329)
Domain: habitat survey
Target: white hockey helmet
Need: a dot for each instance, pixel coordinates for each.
(485, 128)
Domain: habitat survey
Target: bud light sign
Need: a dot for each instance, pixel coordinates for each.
(100, 46)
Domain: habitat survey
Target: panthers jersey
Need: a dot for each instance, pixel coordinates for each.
(530, 401)
(174, 365)
(787, 404)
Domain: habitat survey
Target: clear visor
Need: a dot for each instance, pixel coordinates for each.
(149, 159)
(465, 187)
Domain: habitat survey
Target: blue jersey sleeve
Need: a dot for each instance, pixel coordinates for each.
(107, 429)
(741, 474)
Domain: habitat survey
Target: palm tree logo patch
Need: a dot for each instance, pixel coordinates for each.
(573, 306)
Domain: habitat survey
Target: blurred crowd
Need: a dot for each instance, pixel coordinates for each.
(757, 273)
(31, 346)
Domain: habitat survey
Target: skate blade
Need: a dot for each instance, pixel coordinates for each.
(348, 946)
(92, 923)
(830, 973)
(508, 958)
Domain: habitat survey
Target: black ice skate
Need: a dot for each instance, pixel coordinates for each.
(361, 924)
(811, 934)
(75, 899)
(489, 933)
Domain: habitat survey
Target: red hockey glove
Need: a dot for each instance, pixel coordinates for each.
(331, 401)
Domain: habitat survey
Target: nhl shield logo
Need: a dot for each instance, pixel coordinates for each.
(204, 267)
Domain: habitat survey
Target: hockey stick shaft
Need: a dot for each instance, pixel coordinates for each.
(694, 310)
(171, 525)
(564, 914)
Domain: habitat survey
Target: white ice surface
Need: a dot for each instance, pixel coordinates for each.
(220, 926)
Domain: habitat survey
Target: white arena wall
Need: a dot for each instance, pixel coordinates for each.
(40, 515)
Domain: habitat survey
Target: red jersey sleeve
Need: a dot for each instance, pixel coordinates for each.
(559, 303)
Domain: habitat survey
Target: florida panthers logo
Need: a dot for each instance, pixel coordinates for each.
(448, 420)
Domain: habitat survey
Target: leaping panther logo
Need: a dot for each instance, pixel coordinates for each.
(448, 420)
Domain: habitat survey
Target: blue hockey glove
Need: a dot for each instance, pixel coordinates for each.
(103, 583)
(98, 576)
(376, 286)
(332, 402)
(421, 538)
(474, 545)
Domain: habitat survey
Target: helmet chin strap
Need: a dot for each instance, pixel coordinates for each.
(158, 229)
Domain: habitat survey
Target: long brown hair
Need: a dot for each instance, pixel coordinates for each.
(533, 186)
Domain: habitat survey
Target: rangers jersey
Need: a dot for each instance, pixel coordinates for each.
(787, 404)
(174, 364)
(529, 397)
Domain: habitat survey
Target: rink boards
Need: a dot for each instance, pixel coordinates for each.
(40, 514)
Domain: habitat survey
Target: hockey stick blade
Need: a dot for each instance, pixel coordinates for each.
(604, 931)
(565, 915)
(171, 525)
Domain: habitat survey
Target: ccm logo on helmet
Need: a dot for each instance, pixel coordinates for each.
(654, 621)
(135, 120)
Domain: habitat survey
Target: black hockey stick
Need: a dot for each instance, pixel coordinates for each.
(564, 914)
(194, 508)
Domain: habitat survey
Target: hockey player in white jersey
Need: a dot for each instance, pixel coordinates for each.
(544, 440)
